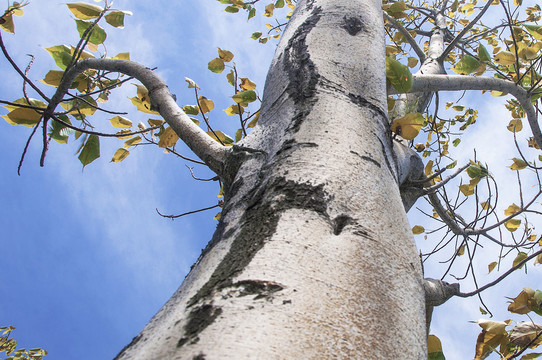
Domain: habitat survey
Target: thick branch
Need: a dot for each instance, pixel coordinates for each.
(428, 83)
(207, 149)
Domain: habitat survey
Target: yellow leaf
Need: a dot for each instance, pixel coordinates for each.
(8, 24)
(512, 209)
(494, 327)
(22, 116)
(233, 110)
(132, 141)
(168, 138)
(519, 258)
(155, 122)
(85, 11)
(121, 122)
(205, 104)
(246, 84)
(512, 224)
(408, 126)
(120, 155)
(122, 56)
(412, 62)
(491, 266)
(518, 164)
(461, 250)
(538, 260)
(520, 304)
(225, 55)
(216, 65)
(142, 100)
(515, 125)
(416, 230)
(434, 347)
(123, 132)
(532, 237)
(429, 168)
(505, 58)
(486, 205)
(191, 83)
(269, 10)
(220, 137)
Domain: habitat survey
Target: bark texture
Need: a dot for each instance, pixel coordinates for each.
(313, 257)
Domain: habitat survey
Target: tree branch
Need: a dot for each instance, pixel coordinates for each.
(407, 36)
(207, 149)
(427, 83)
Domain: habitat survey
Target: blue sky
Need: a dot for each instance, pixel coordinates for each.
(86, 259)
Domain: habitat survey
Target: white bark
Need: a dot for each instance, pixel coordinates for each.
(313, 257)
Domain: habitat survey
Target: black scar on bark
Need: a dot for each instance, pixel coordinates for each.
(198, 319)
(302, 73)
(353, 25)
(200, 356)
(259, 223)
(340, 222)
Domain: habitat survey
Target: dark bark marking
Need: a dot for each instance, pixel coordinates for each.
(291, 144)
(134, 341)
(353, 25)
(340, 222)
(392, 169)
(364, 103)
(259, 223)
(370, 159)
(302, 73)
(363, 232)
(198, 319)
(262, 289)
(200, 356)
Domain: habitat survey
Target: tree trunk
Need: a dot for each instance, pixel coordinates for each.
(313, 257)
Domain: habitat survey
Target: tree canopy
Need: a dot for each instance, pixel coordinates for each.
(482, 145)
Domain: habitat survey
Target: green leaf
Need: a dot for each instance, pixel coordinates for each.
(60, 132)
(468, 64)
(191, 109)
(85, 11)
(477, 171)
(246, 96)
(97, 35)
(399, 75)
(256, 35)
(535, 31)
(61, 55)
(90, 151)
(116, 18)
(216, 65)
(483, 54)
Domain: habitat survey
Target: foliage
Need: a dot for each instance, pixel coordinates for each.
(464, 211)
(9, 347)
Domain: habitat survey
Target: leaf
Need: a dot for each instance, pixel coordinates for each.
(535, 31)
(59, 132)
(142, 101)
(468, 64)
(22, 116)
(515, 125)
(191, 83)
(477, 171)
(434, 348)
(225, 55)
(191, 109)
(120, 155)
(520, 304)
(519, 258)
(231, 78)
(220, 137)
(505, 58)
(254, 121)
(483, 54)
(269, 10)
(97, 34)
(216, 65)
(7, 23)
(512, 209)
(512, 224)
(412, 62)
(399, 75)
(491, 266)
(526, 332)
(90, 151)
(233, 110)
(246, 84)
(205, 104)
(132, 141)
(120, 122)
(168, 138)
(85, 11)
(61, 54)
(116, 18)
(518, 164)
(408, 126)
(417, 229)
(155, 122)
(246, 96)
